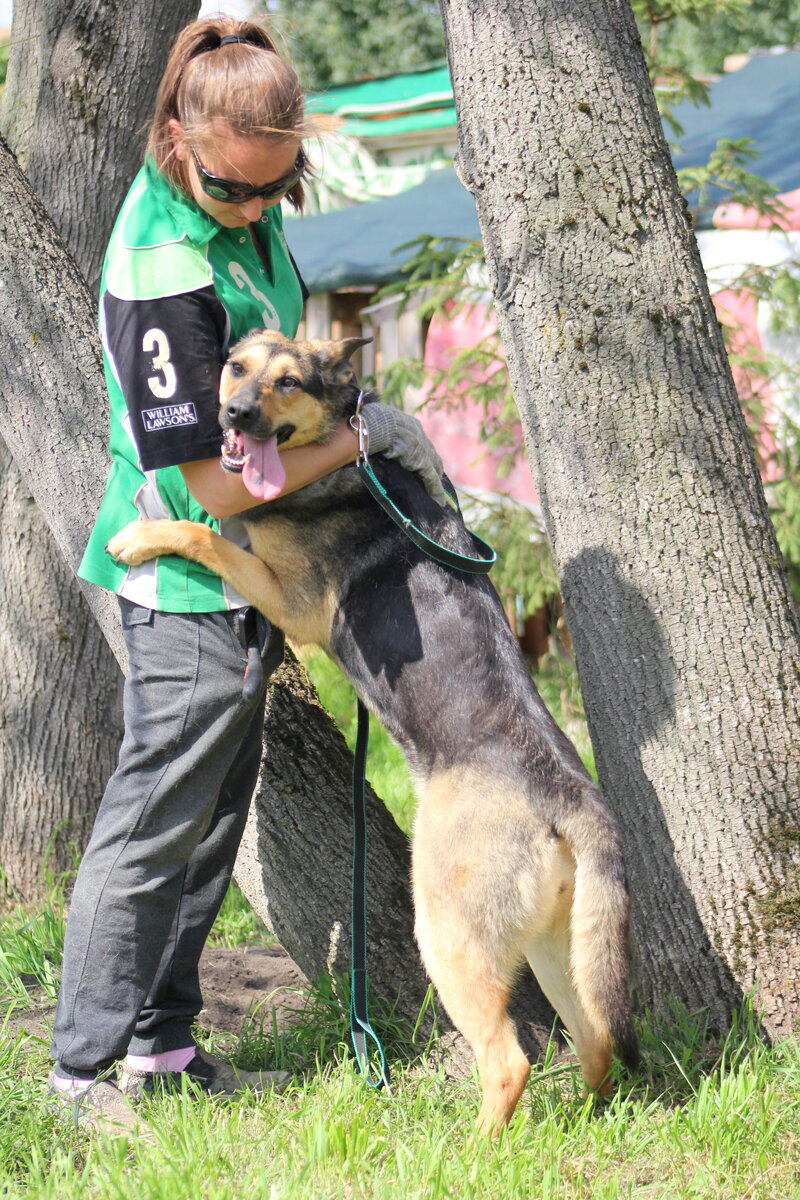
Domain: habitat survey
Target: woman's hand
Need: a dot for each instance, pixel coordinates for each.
(399, 435)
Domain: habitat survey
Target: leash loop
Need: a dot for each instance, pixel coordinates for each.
(481, 565)
(361, 1030)
(487, 556)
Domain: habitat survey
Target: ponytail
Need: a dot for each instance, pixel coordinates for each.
(221, 71)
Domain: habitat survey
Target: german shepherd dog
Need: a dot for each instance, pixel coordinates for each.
(515, 854)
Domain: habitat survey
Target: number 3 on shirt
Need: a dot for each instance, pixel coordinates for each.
(165, 381)
(242, 280)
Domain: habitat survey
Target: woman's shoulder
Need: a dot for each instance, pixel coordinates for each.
(154, 250)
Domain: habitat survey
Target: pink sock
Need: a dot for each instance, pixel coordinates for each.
(168, 1060)
(75, 1087)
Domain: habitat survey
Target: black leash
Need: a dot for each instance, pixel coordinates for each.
(441, 554)
(361, 1030)
(481, 565)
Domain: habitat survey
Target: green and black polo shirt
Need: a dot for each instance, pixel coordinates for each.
(177, 290)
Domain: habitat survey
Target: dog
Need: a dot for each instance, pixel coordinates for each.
(515, 854)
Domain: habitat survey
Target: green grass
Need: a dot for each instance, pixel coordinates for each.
(238, 925)
(702, 1120)
(30, 950)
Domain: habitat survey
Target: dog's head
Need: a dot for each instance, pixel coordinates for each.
(276, 392)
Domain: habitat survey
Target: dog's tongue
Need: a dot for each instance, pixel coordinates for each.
(263, 472)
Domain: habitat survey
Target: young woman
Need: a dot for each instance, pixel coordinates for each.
(196, 260)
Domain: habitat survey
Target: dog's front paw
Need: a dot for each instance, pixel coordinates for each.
(136, 543)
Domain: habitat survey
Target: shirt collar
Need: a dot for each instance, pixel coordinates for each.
(198, 226)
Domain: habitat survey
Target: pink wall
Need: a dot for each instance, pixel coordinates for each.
(455, 428)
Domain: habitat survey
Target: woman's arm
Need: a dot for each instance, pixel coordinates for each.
(223, 494)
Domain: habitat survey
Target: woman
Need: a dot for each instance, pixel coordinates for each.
(197, 259)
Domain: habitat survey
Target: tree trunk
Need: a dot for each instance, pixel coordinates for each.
(54, 753)
(685, 633)
(54, 770)
(81, 84)
(68, 121)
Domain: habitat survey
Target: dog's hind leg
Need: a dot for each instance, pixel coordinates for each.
(475, 991)
(549, 958)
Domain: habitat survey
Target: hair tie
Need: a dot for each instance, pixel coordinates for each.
(233, 37)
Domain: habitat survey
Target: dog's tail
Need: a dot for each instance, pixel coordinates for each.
(599, 924)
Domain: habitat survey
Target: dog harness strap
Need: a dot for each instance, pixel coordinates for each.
(361, 1030)
(439, 553)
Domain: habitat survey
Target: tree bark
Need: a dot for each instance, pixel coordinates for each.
(686, 636)
(54, 753)
(81, 84)
(52, 657)
(68, 121)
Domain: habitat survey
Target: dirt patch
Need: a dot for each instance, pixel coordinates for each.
(234, 982)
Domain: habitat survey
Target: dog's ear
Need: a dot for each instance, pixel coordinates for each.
(348, 346)
(335, 357)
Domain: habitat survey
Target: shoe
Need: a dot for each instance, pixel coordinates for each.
(102, 1108)
(211, 1074)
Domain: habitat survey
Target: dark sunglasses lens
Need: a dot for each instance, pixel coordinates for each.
(219, 191)
(227, 191)
(281, 186)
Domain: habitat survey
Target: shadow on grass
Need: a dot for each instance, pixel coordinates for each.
(680, 1049)
(681, 1053)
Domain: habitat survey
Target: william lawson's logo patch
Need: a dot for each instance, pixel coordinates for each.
(156, 419)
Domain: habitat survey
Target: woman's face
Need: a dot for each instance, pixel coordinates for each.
(253, 161)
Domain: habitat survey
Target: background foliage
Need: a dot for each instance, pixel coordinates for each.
(350, 39)
(695, 36)
(353, 39)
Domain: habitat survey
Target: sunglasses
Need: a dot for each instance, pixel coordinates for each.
(233, 191)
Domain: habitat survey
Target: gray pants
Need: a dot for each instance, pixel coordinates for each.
(165, 838)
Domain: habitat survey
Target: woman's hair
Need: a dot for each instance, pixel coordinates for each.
(245, 85)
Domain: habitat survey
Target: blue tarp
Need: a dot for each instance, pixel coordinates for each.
(357, 246)
(761, 102)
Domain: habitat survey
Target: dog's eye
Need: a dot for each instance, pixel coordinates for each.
(287, 382)
(236, 369)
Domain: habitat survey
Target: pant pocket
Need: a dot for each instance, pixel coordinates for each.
(134, 614)
(254, 631)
